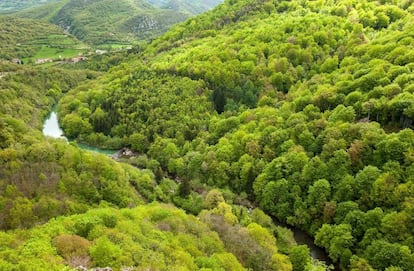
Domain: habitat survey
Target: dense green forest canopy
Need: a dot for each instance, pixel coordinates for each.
(43, 178)
(40, 178)
(96, 207)
(313, 115)
(113, 23)
(303, 108)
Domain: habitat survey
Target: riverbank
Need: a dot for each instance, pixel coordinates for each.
(51, 128)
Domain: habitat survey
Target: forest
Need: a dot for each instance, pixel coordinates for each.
(108, 23)
(258, 110)
(63, 207)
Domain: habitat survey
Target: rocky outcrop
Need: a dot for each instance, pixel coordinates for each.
(123, 153)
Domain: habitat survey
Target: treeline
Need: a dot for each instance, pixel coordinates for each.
(324, 147)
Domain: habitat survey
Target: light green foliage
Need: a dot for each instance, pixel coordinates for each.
(326, 150)
(300, 257)
(337, 239)
(105, 253)
(254, 245)
(40, 178)
(213, 199)
(152, 236)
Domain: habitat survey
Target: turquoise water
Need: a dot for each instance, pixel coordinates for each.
(52, 128)
(95, 149)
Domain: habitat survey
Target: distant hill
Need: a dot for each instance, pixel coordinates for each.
(8, 6)
(112, 22)
(186, 6)
(28, 38)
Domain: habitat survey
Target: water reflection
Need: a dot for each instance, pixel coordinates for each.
(51, 126)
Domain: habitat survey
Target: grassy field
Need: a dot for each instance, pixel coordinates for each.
(32, 39)
(50, 52)
(56, 46)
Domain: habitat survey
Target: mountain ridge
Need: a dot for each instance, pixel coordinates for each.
(124, 21)
(11, 6)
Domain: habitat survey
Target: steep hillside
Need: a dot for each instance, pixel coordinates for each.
(238, 46)
(40, 178)
(27, 38)
(62, 207)
(113, 22)
(45, 182)
(313, 118)
(150, 237)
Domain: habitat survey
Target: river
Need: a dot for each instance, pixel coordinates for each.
(303, 238)
(51, 128)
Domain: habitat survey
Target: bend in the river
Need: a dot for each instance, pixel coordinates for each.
(51, 128)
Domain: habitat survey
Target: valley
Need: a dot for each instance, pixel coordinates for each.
(255, 115)
(103, 22)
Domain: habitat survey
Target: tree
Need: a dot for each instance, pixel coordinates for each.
(314, 170)
(20, 214)
(105, 253)
(300, 257)
(184, 189)
(359, 264)
(318, 194)
(73, 248)
(339, 166)
(213, 198)
(337, 239)
(394, 227)
(219, 100)
(382, 254)
(74, 126)
(277, 199)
